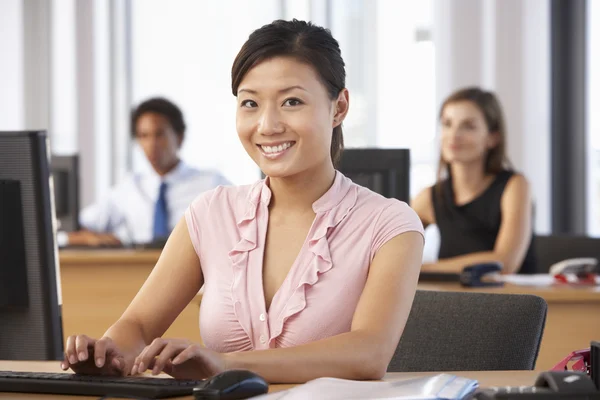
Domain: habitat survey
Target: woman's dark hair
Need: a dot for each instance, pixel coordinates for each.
(164, 107)
(308, 43)
(487, 102)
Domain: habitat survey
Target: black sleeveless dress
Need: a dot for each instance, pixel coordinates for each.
(473, 227)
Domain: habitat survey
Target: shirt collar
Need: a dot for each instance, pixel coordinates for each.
(172, 176)
(261, 193)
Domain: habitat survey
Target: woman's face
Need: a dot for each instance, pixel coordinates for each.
(285, 117)
(465, 135)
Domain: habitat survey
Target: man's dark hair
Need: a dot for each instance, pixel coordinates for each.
(164, 107)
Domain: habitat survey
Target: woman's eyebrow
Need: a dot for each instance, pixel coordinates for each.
(288, 89)
(284, 90)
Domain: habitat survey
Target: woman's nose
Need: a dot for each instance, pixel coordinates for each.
(270, 122)
(453, 133)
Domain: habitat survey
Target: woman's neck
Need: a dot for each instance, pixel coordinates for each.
(298, 193)
(467, 178)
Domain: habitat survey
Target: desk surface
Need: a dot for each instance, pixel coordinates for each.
(149, 257)
(118, 274)
(485, 378)
(107, 256)
(552, 294)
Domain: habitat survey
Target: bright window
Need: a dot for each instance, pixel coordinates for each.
(184, 51)
(593, 118)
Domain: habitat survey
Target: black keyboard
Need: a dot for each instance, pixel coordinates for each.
(88, 385)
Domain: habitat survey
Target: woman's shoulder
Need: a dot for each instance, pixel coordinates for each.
(385, 210)
(517, 185)
(386, 217)
(511, 180)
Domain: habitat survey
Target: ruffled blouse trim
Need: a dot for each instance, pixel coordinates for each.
(320, 262)
(331, 209)
(248, 230)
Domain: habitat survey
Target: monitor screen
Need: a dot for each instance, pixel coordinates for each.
(65, 174)
(30, 316)
(385, 171)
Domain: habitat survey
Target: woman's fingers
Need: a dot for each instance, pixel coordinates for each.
(147, 355)
(170, 350)
(101, 348)
(81, 347)
(64, 364)
(76, 348)
(70, 350)
(187, 354)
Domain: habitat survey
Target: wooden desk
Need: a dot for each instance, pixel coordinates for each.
(485, 378)
(97, 286)
(573, 319)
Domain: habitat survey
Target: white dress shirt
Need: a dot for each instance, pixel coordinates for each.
(128, 210)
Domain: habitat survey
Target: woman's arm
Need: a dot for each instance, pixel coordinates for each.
(173, 283)
(423, 206)
(513, 238)
(378, 322)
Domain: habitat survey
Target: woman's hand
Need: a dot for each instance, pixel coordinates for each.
(179, 358)
(85, 355)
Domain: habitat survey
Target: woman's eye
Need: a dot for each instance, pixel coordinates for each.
(292, 102)
(248, 104)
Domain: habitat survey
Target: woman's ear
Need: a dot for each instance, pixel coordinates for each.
(341, 105)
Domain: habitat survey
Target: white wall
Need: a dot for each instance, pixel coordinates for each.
(503, 45)
(11, 66)
(190, 64)
(593, 118)
(24, 69)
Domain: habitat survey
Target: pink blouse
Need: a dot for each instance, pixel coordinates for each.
(318, 297)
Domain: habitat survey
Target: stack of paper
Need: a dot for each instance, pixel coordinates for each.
(437, 387)
(529, 280)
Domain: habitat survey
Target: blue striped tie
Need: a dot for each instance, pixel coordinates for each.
(161, 215)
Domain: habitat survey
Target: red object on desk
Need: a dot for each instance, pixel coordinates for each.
(584, 278)
(581, 363)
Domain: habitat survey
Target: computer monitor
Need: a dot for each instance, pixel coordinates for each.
(65, 174)
(385, 171)
(30, 311)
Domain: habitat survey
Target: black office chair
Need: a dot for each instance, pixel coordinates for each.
(467, 331)
(552, 249)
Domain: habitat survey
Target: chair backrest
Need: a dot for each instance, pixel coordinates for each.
(552, 249)
(467, 331)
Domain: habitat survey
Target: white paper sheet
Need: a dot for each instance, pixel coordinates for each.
(442, 386)
(528, 280)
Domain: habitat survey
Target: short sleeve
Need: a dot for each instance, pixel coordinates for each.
(394, 219)
(195, 215)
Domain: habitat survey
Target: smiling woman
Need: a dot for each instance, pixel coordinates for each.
(303, 265)
(285, 113)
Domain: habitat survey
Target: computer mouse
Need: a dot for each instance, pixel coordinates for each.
(232, 385)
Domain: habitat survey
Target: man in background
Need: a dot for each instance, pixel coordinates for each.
(145, 207)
